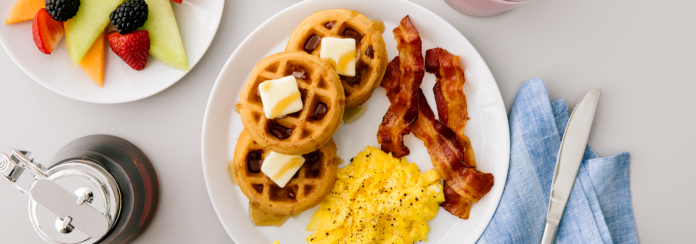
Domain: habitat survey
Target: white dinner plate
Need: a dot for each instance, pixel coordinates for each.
(198, 22)
(488, 127)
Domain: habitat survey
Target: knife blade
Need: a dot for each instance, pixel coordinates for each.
(569, 158)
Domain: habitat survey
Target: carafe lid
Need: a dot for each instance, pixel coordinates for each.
(76, 201)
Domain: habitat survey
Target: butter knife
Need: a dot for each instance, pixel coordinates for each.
(569, 158)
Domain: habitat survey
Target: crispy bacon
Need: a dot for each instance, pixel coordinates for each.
(455, 204)
(391, 79)
(464, 185)
(449, 95)
(443, 146)
(447, 154)
(403, 110)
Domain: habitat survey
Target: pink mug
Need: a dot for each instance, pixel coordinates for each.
(484, 8)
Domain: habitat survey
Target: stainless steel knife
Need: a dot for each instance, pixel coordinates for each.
(569, 158)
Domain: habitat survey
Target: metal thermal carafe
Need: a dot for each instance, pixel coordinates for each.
(97, 189)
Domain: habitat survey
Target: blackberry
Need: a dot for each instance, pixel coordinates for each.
(62, 10)
(129, 16)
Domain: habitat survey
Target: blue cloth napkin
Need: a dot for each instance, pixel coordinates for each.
(599, 208)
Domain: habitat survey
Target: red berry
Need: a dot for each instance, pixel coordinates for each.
(177, 1)
(133, 48)
(47, 32)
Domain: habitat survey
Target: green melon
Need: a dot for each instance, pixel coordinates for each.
(82, 30)
(165, 40)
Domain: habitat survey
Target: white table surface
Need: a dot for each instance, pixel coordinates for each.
(642, 53)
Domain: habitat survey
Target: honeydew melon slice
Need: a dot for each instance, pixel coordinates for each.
(89, 22)
(165, 40)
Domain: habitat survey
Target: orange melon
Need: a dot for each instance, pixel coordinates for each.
(93, 62)
(24, 10)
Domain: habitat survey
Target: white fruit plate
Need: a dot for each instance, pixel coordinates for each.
(488, 127)
(198, 22)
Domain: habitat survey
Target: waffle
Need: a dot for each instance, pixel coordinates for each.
(306, 189)
(300, 132)
(369, 70)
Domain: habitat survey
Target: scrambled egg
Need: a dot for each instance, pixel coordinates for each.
(378, 199)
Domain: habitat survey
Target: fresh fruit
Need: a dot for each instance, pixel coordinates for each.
(83, 29)
(24, 10)
(177, 1)
(93, 62)
(133, 47)
(62, 10)
(129, 16)
(167, 46)
(47, 32)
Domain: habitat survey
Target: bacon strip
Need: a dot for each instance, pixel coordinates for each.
(466, 184)
(449, 95)
(392, 78)
(403, 111)
(443, 146)
(455, 204)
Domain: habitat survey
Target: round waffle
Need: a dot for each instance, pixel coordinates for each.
(312, 183)
(306, 130)
(343, 23)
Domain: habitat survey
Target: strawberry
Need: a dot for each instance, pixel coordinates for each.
(47, 32)
(133, 47)
(177, 1)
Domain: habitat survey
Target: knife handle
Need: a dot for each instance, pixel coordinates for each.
(549, 233)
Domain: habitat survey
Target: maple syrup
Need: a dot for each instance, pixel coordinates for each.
(344, 60)
(380, 24)
(262, 218)
(353, 114)
(284, 104)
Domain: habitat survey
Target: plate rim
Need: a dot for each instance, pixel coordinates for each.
(156, 91)
(497, 95)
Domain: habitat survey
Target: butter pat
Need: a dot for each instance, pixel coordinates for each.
(280, 167)
(280, 97)
(340, 53)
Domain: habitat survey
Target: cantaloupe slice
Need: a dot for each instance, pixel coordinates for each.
(165, 40)
(24, 10)
(89, 22)
(93, 62)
